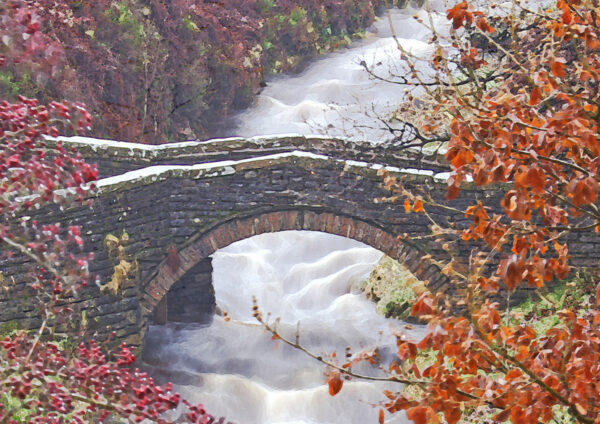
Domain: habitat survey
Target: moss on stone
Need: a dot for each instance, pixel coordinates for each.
(8, 327)
(394, 288)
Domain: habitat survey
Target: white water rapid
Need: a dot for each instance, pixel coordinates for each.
(308, 279)
(233, 367)
(335, 95)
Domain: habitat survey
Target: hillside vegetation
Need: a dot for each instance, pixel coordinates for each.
(156, 71)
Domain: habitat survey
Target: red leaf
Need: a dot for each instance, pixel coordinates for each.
(418, 414)
(381, 416)
(335, 382)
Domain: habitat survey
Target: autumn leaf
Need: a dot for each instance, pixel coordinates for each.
(418, 206)
(423, 305)
(462, 157)
(535, 96)
(335, 382)
(502, 416)
(452, 414)
(417, 414)
(558, 69)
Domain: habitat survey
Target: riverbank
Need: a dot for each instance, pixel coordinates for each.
(394, 290)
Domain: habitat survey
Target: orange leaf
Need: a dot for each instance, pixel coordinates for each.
(558, 69)
(418, 414)
(423, 306)
(406, 206)
(452, 415)
(381, 416)
(418, 206)
(585, 75)
(536, 94)
(407, 350)
(502, 416)
(483, 25)
(512, 374)
(335, 382)
(462, 157)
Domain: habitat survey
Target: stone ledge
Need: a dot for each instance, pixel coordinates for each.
(116, 156)
(308, 161)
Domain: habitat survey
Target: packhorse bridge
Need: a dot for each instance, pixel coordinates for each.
(179, 203)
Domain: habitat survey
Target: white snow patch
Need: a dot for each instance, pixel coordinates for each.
(103, 143)
(228, 168)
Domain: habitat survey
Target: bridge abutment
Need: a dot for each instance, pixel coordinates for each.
(191, 298)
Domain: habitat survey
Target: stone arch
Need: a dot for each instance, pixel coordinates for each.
(199, 247)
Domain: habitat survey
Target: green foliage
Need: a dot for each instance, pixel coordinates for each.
(297, 15)
(265, 6)
(13, 403)
(190, 24)
(8, 328)
(122, 14)
(12, 85)
(540, 309)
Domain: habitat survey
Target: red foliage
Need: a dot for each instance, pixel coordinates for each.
(157, 71)
(48, 382)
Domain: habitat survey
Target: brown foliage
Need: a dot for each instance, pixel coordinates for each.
(156, 71)
(535, 132)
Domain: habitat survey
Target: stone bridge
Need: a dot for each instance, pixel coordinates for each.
(193, 198)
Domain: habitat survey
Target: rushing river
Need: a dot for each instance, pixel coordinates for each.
(335, 95)
(311, 280)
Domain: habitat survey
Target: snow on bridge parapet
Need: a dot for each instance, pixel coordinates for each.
(307, 160)
(116, 157)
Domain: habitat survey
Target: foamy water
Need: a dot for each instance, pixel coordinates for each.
(334, 95)
(312, 282)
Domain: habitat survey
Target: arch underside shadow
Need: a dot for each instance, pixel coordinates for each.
(237, 228)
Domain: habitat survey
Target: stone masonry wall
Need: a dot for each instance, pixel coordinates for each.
(192, 297)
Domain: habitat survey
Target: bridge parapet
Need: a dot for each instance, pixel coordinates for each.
(116, 157)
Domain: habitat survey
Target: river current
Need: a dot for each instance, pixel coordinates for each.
(310, 280)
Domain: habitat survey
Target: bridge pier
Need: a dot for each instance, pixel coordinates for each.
(190, 299)
(161, 313)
